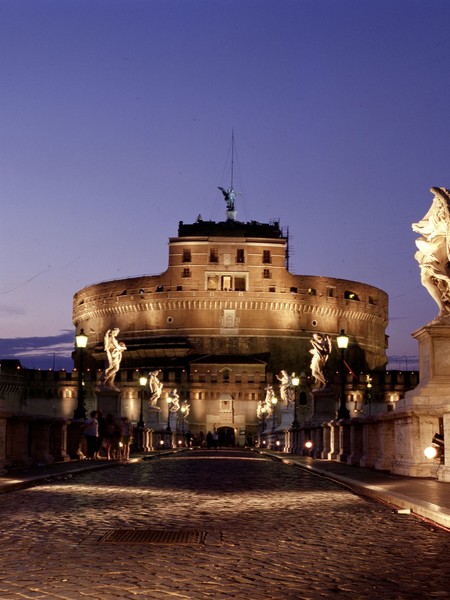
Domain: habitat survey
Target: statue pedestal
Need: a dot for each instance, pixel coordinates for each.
(108, 402)
(425, 410)
(434, 366)
(287, 416)
(325, 405)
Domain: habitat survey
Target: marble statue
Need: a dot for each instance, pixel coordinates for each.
(175, 400)
(230, 197)
(286, 388)
(114, 350)
(264, 408)
(321, 349)
(433, 249)
(156, 387)
(185, 409)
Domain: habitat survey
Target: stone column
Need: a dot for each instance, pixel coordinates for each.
(369, 441)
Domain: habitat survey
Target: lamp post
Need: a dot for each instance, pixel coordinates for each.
(143, 383)
(295, 383)
(274, 403)
(368, 398)
(168, 430)
(294, 427)
(184, 409)
(342, 342)
(81, 342)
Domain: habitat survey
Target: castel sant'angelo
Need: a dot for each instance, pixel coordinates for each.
(225, 318)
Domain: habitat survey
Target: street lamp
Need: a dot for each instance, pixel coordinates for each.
(81, 342)
(274, 403)
(294, 427)
(342, 342)
(184, 409)
(168, 429)
(295, 383)
(169, 402)
(143, 383)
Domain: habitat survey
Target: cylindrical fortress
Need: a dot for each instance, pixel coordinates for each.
(227, 292)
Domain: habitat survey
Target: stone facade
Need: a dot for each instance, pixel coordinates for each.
(227, 306)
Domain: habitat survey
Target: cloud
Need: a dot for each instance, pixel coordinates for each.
(11, 311)
(52, 352)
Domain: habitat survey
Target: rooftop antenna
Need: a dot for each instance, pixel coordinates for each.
(232, 157)
(229, 194)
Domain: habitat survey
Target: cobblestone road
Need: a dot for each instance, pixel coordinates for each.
(272, 531)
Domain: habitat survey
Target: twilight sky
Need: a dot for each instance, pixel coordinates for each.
(116, 119)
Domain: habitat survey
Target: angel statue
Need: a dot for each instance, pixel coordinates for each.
(230, 197)
(264, 408)
(174, 398)
(433, 249)
(261, 410)
(286, 388)
(114, 350)
(156, 387)
(321, 350)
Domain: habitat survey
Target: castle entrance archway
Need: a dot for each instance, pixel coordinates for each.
(227, 438)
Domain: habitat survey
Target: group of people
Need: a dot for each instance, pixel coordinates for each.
(106, 437)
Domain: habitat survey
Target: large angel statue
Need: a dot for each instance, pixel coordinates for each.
(433, 249)
(229, 196)
(156, 387)
(114, 350)
(286, 388)
(321, 349)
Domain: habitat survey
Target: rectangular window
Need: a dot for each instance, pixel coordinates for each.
(239, 284)
(214, 255)
(266, 274)
(186, 272)
(240, 255)
(267, 258)
(186, 255)
(331, 292)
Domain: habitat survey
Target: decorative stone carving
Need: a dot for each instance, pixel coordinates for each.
(114, 350)
(433, 254)
(321, 349)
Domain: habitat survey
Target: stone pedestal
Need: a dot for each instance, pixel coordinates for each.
(434, 366)
(108, 402)
(287, 416)
(324, 408)
(425, 410)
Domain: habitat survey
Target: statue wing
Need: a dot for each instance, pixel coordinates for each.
(444, 195)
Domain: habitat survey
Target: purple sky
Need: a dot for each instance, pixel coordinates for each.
(116, 120)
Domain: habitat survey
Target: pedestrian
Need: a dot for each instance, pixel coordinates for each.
(126, 431)
(101, 434)
(209, 440)
(90, 430)
(108, 439)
